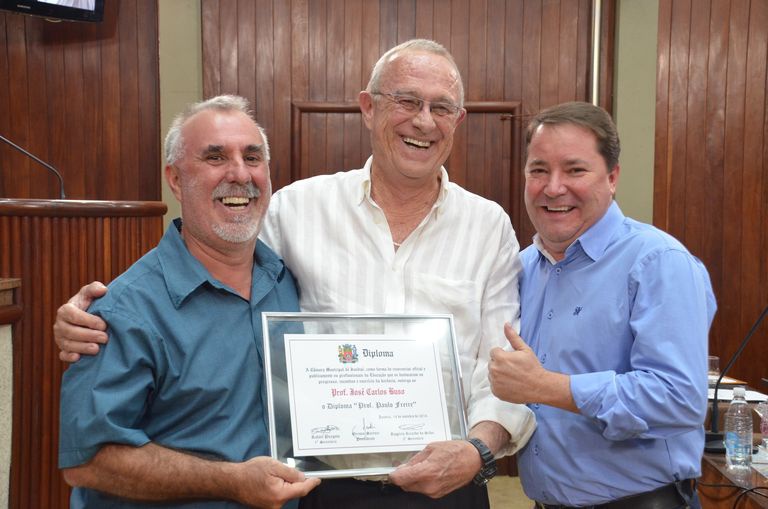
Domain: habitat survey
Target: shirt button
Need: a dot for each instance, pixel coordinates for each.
(536, 450)
(550, 315)
(536, 406)
(558, 270)
(543, 358)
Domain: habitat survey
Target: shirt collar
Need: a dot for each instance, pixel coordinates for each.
(364, 190)
(184, 273)
(594, 241)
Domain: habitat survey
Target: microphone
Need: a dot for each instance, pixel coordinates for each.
(35, 158)
(714, 439)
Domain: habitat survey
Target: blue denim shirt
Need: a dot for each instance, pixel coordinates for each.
(183, 367)
(626, 313)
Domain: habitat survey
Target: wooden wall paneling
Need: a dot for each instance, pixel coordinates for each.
(710, 174)
(17, 97)
(148, 108)
(697, 216)
(425, 15)
(91, 120)
(210, 21)
(352, 125)
(406, 20)
(754, 180)
(129, 94)
(713, 146)
(281, 130)
(334, 68)
(318, 81)
(550, 53)
(251, 21)
(111, 112)
(54, 250)
(82, 96)
(732, 319)
(387, 24)
(265, 61)
(4, 94)
(607, 50)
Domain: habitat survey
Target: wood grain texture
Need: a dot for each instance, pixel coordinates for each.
(711, 178)
(54, 250)
(83, 97)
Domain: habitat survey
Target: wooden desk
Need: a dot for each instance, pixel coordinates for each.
(715, 471)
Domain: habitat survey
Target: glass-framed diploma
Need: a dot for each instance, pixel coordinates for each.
(357, 395)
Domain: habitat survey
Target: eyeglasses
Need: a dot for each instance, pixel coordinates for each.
(412, 104)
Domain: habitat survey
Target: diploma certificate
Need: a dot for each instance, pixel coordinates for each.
(355, 395)
(364, 393)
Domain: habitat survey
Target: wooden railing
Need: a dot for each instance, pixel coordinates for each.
(56, 246)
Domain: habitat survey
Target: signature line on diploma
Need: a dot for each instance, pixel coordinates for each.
(325, 429)
(410, 427)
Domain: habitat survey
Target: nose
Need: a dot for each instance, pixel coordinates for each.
(423, 119)
(237, 171)
(555, 185)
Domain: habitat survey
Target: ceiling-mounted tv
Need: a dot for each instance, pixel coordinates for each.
(70, 10)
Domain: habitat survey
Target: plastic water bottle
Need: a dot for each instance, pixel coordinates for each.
(762, 411)
(738, 431)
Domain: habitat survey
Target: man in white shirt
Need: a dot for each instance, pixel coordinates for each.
(398, 237)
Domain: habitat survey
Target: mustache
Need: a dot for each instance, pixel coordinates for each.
(225, 189)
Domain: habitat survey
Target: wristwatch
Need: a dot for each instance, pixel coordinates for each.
(488, 470)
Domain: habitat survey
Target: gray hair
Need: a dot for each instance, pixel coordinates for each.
(174, 141)
(424, 45)
(587, 115)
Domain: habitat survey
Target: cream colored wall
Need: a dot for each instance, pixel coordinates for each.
(6, 406)
(181, 69)
(635, 89)
(635, 105)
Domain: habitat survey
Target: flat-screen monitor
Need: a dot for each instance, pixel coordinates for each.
(70, 10)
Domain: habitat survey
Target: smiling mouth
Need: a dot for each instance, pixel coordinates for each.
(235, 202)
(417, 143)
(562, 209)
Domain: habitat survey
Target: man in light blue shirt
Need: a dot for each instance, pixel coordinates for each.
(611, 356)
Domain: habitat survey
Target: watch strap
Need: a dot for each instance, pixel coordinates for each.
(488, 470)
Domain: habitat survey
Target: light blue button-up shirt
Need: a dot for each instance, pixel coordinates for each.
(183, 367)
(626, 313)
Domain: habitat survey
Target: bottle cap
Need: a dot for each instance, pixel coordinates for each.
(739, 391)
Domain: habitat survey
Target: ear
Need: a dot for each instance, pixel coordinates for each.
(460, 118)
(613, 178)
(366, 107)
(174, 180)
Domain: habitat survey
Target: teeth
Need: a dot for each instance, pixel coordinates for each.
(235, 200)
(559, 209)
(418, 143)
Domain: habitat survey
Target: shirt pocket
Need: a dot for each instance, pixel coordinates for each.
(461, 298)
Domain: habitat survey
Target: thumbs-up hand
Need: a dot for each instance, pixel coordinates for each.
(514, 374)
(517, 376)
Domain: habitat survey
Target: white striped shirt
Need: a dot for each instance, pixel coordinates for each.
(462, 259)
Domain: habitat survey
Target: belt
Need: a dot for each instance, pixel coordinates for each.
(667, 497)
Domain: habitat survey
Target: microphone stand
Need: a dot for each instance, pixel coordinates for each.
(714, 439)
(35, 158)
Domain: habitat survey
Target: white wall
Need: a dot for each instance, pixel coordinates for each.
(181, 70)
(635, 104)
(6, 408)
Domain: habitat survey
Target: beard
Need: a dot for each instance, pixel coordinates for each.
(241, 229)
(244, 227)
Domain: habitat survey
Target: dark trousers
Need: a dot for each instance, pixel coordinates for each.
(353, 494)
